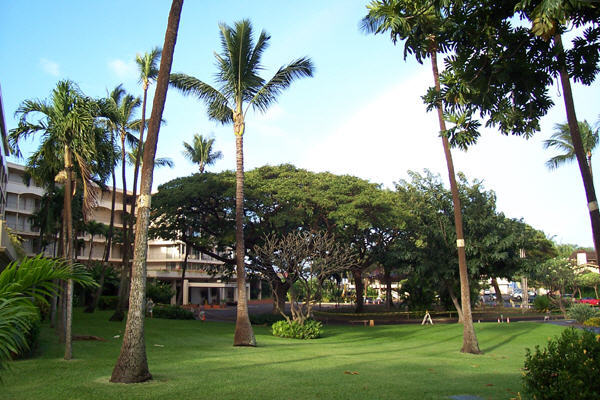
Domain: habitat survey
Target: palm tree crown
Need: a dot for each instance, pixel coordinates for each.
(239, 83)
(148, 66)
(562, 141)
(201, 151)
(240, 87)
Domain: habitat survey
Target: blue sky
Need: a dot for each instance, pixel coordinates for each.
(361, 113)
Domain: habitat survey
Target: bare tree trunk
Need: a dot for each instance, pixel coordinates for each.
(68, 252)
(132, 364)
(280, 290)
(107, 248)
(499, 298)
(525, 297)
(455, 302)
(584, 168)
(185, 263)
(123, 293)
(388, 289)
(244, 336)
(470, 343)
(358, 285)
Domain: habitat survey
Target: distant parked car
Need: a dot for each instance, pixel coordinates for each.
(589, 300)
(518, 294)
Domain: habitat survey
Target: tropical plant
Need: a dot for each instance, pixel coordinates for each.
(132, 364)
(66, 123)
(121, 121)
(581, 312)
(241, 88)
(422, 26)
(22, 283)
(201, 152)
(562, 141)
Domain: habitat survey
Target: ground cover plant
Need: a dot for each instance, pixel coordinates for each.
(348, 362)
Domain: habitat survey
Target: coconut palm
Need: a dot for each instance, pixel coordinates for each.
(120, 120)
(201, 151)
(148, 68)
(422, 26)
(68, 121)
(561, 140)
(548, 21)
(239, 89)
(132, 156)
(132, 364)
(20, 283)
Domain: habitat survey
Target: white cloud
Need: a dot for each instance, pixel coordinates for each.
(383, 138)
(123, 69)
(50, 67)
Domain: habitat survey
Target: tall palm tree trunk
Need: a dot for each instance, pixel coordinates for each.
(132, 364)
(584, 167)
(470, 343)
(106, 255)
(183, 271)
(244, 336)
(123, 293)
(68, 251)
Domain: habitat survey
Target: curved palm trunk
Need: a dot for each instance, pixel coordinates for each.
(470, 344)
(123, 293)
(132, 364)
(68, 251)
(584, 168)
(455, 302)
(244, 336)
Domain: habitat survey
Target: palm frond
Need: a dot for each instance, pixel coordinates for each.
(267, 94)
(148, 65)
(218, 106)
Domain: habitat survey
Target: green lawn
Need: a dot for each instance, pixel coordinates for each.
(196, 360)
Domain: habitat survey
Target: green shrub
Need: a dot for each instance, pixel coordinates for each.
(593, 322)
(269, 319)
(171, 312)
(311, 329)
(567, 369)
(581, 312)
(108, 302)
(160, 292)
(541, 303)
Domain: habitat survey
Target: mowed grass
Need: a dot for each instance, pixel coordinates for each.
(196, 360)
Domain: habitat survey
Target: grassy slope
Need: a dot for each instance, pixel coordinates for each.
(198, 361)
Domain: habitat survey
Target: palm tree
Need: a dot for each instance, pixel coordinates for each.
(240, 88)
(562, 141)
(421, 25)
(201, 151)
(148, 68)
(132, 156)
(94, 228)
(132, 364)
(122, 123)
(67, 120)
(20, 283)
(548, 23)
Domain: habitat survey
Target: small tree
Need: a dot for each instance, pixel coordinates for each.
(305, 258)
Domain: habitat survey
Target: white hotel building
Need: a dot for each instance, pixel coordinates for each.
(165, 258)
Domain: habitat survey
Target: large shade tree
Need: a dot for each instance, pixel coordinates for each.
(132, 364)
(239, 89)
(502, 69)
(426, 32)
